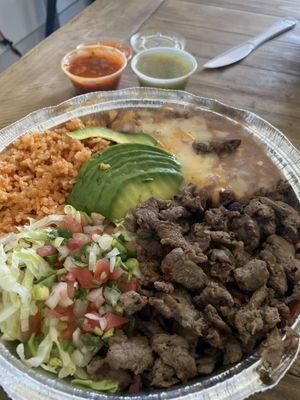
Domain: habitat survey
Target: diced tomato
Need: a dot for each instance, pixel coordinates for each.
(294, 311)
(75, 244)
(84, 277)
(92, 307)
(71, 290)
(102, 271)
(130, 286)
(59, 312)
(72, 225)
(67, 333)
(116, 274)
(84, 219)
(45, 251)
(115, 321)
(35, 322)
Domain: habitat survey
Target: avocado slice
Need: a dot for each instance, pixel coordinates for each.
(103, 188)
(113, 153)
(116, 156)
(114, 136)
(135, 173)
(134, 191)
(110, 186)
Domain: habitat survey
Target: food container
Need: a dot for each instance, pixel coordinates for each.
(234, 383)
(178, 82)
(89, 83)
(149, 38)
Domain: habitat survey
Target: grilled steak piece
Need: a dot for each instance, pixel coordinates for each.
(233, 352)
(246, 229)
(284, 253)
(179, 306)
(174, 351)
(216, 146)
(132, 354)
(252, 275)
(214, 294)
(162, 375)
(288, 218)
(132, 302)
(181, 268)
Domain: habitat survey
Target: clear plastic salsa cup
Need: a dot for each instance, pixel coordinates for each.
(178, 82)
(85, 84)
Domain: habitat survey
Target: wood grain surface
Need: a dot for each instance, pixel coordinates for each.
(267, 82)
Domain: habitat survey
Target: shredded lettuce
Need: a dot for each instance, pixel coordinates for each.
(10, 321)
(43, 355)
(27, 307)
(34, 263)
(7, 312)
(9, 277)
(105, 385)
(44, 222)
(43, 351)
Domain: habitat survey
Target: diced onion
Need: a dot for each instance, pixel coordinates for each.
(96, 217)
(79, 308)
(68, 263)
(76, 338)
(102, 310)
(104, 241)
(112, 263)
(114, 252)
(81, 236)
(59, 295)
(96, 296)
(103, 323)
(92, 316)
(111, 295)
(66, 303)
(52, 300)
(94, 251)
(108, 308)
(63, 251)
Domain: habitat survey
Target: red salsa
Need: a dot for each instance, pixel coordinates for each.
(93, 66)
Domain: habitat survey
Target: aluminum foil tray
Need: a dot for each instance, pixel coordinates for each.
(235, 383)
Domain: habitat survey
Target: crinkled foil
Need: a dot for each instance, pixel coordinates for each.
(235, 383)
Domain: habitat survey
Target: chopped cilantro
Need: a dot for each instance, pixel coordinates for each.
(81, 293)
(64, 232)
(52, 235)
(92, 342)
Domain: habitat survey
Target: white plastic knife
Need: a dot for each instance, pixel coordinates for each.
(241, 51)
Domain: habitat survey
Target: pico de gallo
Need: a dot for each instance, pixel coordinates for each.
(61, 281)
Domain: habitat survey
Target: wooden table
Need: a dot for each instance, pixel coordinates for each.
(267, 82)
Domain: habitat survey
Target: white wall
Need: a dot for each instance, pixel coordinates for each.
(23, 22)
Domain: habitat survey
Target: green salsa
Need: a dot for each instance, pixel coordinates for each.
(163, 66)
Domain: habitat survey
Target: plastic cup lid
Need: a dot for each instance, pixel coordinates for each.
(149, 39)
